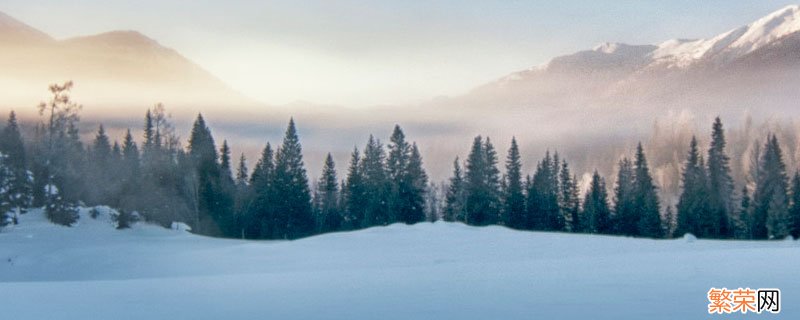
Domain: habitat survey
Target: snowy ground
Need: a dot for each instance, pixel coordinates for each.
(425, 271)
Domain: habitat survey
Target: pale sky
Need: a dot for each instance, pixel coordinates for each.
(362, 53)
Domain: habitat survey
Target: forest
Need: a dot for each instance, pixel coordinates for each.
(155, 179)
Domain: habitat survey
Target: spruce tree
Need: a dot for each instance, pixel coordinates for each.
(646, 201)
(203, 156)
(720, 184)
(293, 208)
(625, 220)
(242, 197)
(418, 187)
(455, 198)
(794, 209)
(770, 207)
(513, 196)
(329, 216)
(376, 185)
(18, 194)
(481, 184)
(260, 219)
(596, 215)
(569, 203)
(354, 194)
(542, 204)
(694, 215)
(493, 180)
(407, 180)
(743, 223)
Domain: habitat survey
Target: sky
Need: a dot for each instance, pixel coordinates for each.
(366, 53)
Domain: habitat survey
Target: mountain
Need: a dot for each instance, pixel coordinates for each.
(119, 71)
(753, 67)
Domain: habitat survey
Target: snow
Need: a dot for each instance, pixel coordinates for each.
(424, 271)
(732, 44)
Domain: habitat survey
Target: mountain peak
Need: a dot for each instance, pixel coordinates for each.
(118, 38)
(13, 30)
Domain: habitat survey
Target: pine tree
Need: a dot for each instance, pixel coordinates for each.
(226, 194)
(596, 215)
(744, 220)
(100, 169)
(260, 220)
(407, 180)
(513, 196)
(720, 184)
(293, 208)
(569, 203)
(242, 197)
(418, 187)
(481, 184)
(694, 215)
(354, 194)
(329, 216)
(17, 191)
(494, 205)
(794, 209)
(203, 156)
(646, 201)
(542, 202)
(770, 208)
(625, 220)
(455, 199)
(376, 185)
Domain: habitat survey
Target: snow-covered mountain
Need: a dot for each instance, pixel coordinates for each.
(114, 70)
(753, 67)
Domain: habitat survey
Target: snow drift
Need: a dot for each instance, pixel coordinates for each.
(424, 271)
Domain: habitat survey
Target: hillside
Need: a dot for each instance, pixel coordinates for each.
(120, 71)
(424, 271)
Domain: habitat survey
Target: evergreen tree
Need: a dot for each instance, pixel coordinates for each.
(260, 220)
(226, 194)
(417, 191)
(355, 194)
(744, 220)
(694, 215)
(770, 207)
(481, 185)
(794, 209)
(720, 184)
(18, 188)
(569, 201)
(625, 220)
(203, 156)
(513, 196)
(455, 199)
(596, 215)
(542, 202)
(57, 156)
(242, 197)
(329, 216)
(493, 180)
(376, 186)
(646, 201)
(407, 180)
(101, 168)
(293, 208)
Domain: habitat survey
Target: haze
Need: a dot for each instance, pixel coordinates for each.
(357, 54)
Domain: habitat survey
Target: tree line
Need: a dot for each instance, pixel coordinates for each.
(158, 180)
